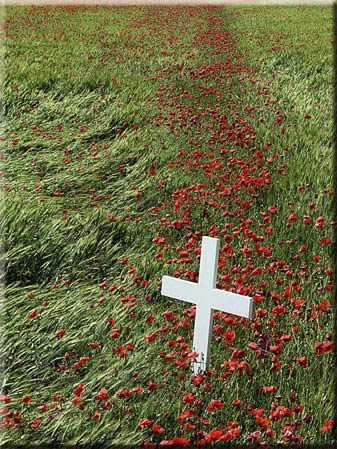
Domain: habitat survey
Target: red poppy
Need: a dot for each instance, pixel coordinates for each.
(145, 422)
(79, 390)
(302, 361)
(151, 386)
(179, 441)
(43, 408)
(189, 398)
(185, 414)
(115, 333)
(271, 389)
(157, 429)
(93, 344)
(33, 314)
(125, 393)
(80, 363)
(229, 335)
(325, 241)
(215, 404)
(319, 223)
(60, 333)
(76, 401)
(36, 423)
(322, 348)
(237, 403)
(214, 435)
(292, 218)
(328, 425)
(26, 399)
(96, 416)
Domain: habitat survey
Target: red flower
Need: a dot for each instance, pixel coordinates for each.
(279, 310)
(26, 399)
(262, 422)
(276, 349)
(145, 422)
(138, 389)
(77, 400)
(229, 335)
(180, 441)
(215, 404)
(169, 315)
(237, 403)
(43, 408)
(36, 423)
(58, 192)
(324, 306)
(254, 435)
(189, 398)
(151, 386)
(81, 362)
(192, 355)
(214, 435)
(321, 348)
(121, 351)
(272, 209)
(184, 415)
(130, 347)
(197, 379)
(292, 218)
(157, 429)
(78, 391)
(276, 364)
(33, 314)
(96, 416)
(94, 345)
(60, 333)
(125, 393)
(115, 333)
(5, 398)
(319, 223)
(325, 241)
(271, 389)
(302, 361)
(328, 425)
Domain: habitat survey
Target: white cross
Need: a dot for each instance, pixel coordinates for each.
(207, 298)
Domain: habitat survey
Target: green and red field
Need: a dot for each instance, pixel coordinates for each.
(130, 133)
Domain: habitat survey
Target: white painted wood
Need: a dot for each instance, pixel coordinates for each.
(207, 299)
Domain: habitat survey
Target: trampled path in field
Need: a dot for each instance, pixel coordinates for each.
(211, 117)
(205, 154)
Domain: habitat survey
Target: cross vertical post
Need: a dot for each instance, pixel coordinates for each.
(204, 314)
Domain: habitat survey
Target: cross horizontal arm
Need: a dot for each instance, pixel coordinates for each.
(199, 294)
(231, 303)
(180, 289)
